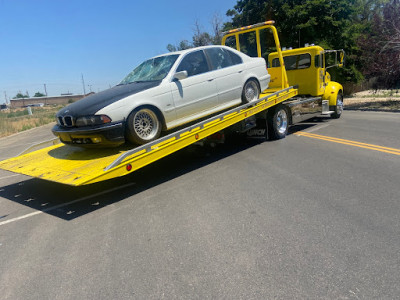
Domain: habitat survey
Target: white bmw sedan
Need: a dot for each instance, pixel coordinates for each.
(162, 93)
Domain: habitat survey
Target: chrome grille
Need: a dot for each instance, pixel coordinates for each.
(66, 121)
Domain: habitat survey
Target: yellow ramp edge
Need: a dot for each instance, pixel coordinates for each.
(62, 163)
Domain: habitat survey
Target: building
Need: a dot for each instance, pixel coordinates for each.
(40, 101)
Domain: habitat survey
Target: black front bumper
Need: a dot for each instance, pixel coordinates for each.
(107, 135)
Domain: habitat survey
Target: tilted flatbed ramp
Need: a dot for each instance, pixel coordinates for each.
(79, 166)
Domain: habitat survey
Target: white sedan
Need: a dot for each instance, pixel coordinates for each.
(162, 93)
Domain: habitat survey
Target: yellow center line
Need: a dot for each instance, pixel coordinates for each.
(350, 143)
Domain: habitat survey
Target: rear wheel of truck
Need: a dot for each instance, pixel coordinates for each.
(278, 123)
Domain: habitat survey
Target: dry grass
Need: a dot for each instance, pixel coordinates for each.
(374, 101)
(16, 120)
(377, 94)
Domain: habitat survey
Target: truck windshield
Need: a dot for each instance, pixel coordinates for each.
(150, 70)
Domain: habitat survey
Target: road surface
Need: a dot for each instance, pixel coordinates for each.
(315, 215)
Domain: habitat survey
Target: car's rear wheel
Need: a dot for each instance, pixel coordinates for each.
(143, 126)
(251, 91)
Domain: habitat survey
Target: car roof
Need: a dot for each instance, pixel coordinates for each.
(194, 49)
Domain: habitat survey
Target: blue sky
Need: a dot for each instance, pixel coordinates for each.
(54, 42)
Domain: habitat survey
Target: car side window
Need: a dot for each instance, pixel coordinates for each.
(194, 63)
(236, 59)
(219, 58)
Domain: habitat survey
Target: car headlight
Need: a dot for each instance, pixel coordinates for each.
(92, 120)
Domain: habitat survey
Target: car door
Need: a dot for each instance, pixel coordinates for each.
(228, 69)
(196, 93)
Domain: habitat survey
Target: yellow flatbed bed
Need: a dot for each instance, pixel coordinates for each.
(79, 166)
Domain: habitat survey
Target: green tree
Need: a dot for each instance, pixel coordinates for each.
(333, 24)
(299, 21)
(201, 37)
(182, 45)
(20, 96)
(39, 94)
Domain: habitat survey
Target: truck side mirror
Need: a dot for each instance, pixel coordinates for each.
(181, 75)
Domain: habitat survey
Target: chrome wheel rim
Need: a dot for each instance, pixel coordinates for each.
(339, 105)
(251, 91)
(145, 124)
(281, 121)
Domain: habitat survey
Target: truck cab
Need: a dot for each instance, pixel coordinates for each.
(306, 68)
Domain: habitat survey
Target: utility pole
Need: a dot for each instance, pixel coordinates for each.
(83, 83)
(5, 96)
(45, 90)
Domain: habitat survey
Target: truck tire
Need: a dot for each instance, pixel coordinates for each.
(278, 123)
(339, 107)
(143, 126)
(251, 91)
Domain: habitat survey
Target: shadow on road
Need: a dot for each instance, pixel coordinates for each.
(68, 202)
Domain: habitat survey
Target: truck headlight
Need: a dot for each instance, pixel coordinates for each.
(92, 120)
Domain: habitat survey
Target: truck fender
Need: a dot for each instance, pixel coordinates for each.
(331, 92)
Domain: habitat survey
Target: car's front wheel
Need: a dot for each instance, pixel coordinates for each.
(143, 126)
(251, 91)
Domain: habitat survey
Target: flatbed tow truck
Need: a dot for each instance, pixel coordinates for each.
(277, 107)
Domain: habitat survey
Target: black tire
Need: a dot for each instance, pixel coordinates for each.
(339, 107)
(251, 91)
(143, 126)
(278, 123)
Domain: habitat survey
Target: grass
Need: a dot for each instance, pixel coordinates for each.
(17, 120)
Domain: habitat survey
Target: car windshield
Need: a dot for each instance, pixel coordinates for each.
(150, 70)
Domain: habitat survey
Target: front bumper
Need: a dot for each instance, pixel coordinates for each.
(107, 135)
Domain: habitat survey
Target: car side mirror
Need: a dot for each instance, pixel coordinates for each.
(181, 75)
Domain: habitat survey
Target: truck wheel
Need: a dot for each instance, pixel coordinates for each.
(338, 107)
(143, 126)
(278, 124)
(251, 91)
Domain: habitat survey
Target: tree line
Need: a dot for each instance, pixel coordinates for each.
(26, 95)
(368, 31)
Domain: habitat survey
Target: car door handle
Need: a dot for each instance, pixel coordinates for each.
(210, 79)
(240, 71)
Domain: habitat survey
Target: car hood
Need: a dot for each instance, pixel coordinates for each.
(93, 103)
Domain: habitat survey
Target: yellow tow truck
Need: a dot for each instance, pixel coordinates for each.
(277, 107)
(304, 68)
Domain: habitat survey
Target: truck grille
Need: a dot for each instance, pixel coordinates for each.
(66, 121)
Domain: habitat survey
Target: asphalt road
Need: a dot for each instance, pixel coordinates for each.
(306, 217)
